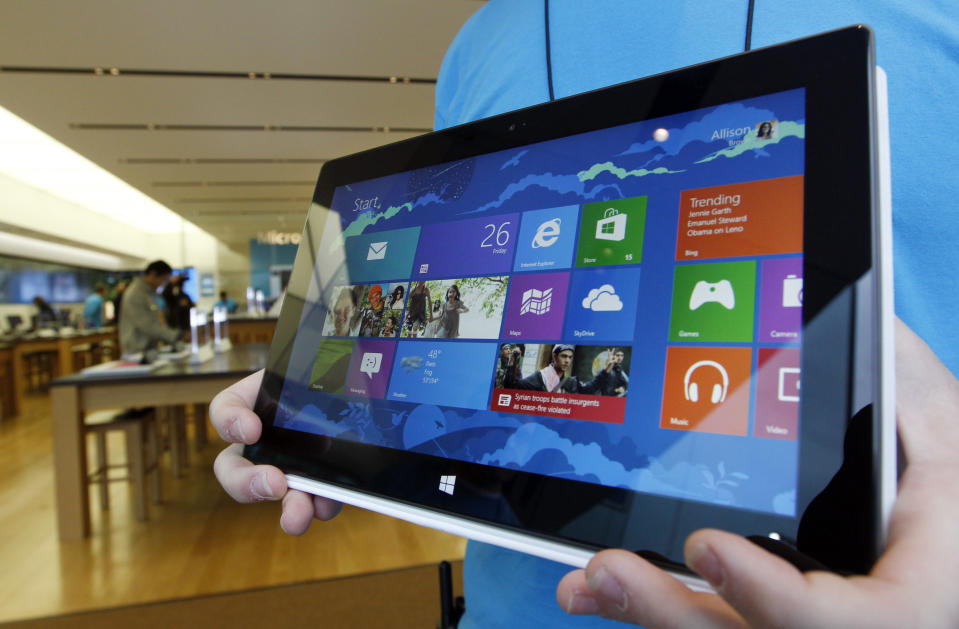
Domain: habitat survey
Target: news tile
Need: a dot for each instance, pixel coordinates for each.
(584, 382)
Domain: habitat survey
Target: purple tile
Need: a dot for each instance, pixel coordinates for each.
(780, 301)
(535, 306)
(370, 368)
(471, 247)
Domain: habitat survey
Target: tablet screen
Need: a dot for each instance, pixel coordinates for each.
(608, 320)
(621, 307)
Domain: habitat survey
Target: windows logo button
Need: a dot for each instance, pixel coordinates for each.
(447, 484)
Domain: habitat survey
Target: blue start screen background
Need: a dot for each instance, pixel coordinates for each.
(620, 307)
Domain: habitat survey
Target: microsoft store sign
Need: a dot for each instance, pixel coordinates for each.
(273, 237)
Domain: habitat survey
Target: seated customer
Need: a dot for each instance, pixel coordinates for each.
(226, 302)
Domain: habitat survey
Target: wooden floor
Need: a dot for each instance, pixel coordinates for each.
(197, 542)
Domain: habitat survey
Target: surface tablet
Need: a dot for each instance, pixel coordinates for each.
(609, 320)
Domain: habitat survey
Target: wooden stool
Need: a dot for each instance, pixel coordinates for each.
(7, 393)
(82, 356)
(173, 422)
(200, 438)
(40, 369)
(140, 430)
(108, 351)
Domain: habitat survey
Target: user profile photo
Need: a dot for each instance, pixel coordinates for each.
(767, 130)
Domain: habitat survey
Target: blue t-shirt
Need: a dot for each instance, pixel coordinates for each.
(93, 311)
(229, 303)
(497, 63)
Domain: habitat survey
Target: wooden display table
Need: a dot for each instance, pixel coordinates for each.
(173, 384)
(62, 345)
(245, 330)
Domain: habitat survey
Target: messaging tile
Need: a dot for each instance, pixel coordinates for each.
(370, 368)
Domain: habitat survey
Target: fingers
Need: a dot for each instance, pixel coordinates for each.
(927, 398)
(297, 512)
(325, 509)
(231, 411)
(620, 585)
(300, 508)
(246, 482)
(767, 591)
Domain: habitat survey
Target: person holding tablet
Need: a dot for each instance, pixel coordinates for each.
(487, 71)
(490, 66)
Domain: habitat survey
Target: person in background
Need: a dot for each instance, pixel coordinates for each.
(226, 302)
(142, 325)
(178, 303)
(118, 299)
(46, 316)
(93, 307)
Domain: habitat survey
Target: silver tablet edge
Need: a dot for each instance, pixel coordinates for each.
(887, 330)
(553, 551)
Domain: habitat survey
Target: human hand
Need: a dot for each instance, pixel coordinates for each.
(911, 585)
(231, 412)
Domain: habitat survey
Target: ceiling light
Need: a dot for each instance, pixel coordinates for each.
(27, 247)
(33, 157)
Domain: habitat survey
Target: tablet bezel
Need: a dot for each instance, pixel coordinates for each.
(841, 269)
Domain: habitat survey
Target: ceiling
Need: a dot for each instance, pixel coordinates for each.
(224, 110)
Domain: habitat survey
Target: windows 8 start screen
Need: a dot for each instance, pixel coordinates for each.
(620, 307)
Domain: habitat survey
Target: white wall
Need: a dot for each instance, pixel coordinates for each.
(27, 208)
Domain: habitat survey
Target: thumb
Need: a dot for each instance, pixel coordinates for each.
(767, 590)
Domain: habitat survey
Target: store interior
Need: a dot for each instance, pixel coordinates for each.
(191, 133)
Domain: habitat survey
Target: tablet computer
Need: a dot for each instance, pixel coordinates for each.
(609, 320)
